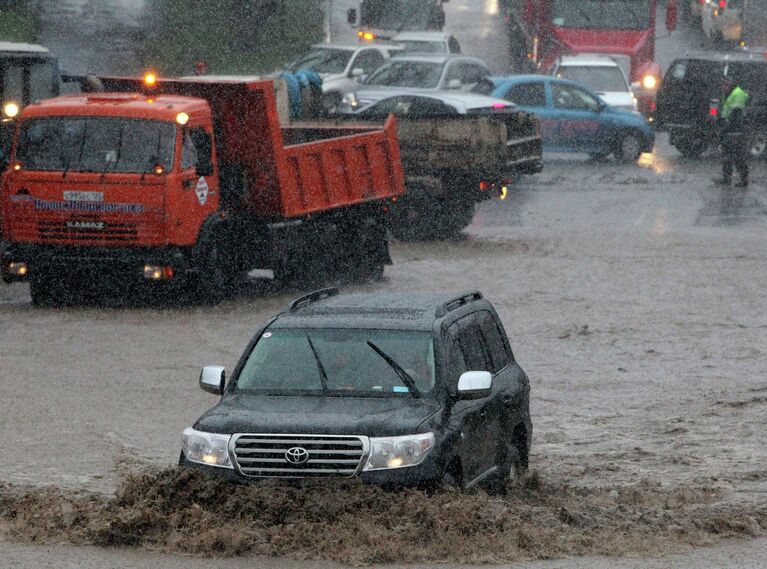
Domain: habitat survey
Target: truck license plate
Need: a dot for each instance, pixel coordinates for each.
(72, 196)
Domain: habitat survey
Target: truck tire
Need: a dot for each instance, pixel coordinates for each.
(43, 291)
(691, 148)
(628, 148)
(211, 279)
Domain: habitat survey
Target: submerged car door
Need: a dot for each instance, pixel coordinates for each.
(480, 418)
(579, 125)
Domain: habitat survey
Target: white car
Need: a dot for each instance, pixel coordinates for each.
(341, 66)
(600, 73)
(418, 73)
(427, 42)
(723, 20)
(436, 104)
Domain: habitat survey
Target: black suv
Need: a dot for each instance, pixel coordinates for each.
(687, 103)
(399, 389)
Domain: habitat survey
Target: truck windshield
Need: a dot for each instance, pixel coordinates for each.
(323, 60)
(95, 144)
(304, 361)
(601, 79)
(601, 14)
(401, 15)
(417, 74)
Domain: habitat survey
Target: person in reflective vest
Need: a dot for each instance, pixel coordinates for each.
(733, 131)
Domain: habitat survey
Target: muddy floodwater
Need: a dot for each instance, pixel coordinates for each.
(635, 298)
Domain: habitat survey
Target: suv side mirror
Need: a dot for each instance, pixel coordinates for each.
(357, 72)
(212, 379)
(454, 84)
(475, 385)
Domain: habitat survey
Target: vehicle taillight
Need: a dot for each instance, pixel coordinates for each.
(722, 4)
(713, 111)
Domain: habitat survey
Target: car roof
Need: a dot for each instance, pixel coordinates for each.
(355, 46)
(437, 58)
(588, 60)
(23, 47)
(420, 36)
(393, 311)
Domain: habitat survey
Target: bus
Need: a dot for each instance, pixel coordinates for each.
(382, 19)
(28, 73)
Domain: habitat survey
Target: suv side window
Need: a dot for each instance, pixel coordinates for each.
(471, 73)
(527, 94)
(573, 98)
(456, 365)
(471, 344)
(491, 334)
(368, 60)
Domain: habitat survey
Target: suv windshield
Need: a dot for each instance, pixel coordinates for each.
(600, 78)
(418, 74)
(299, 361)
(95, 144)
(323, 60)
(601, 14)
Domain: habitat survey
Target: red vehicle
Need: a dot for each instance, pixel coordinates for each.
(543, 30)
(191, 183)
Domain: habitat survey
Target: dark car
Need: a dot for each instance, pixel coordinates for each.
(689, 97)
(398, 389)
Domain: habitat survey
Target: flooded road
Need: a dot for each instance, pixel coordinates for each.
(633, 295)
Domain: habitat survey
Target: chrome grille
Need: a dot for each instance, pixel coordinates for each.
(328, 455)
(56, 230)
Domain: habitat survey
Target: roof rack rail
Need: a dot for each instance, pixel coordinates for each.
(311, 297)
(458, 301)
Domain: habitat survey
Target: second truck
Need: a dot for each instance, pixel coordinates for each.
(189, 184)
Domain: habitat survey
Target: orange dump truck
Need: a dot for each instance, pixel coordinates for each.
(190, 183)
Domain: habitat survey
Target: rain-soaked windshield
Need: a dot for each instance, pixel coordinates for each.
(421, 46)
(94, 144)
(601, 79)
(417, 74)
(401, 15)
(304, 361)
(601, 14)
(323, 60)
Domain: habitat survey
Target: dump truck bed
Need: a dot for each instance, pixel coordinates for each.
(296, 171)
(489, 147)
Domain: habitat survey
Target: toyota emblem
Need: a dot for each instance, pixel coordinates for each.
(296, 455)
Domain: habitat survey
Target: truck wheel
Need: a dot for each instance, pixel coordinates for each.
(211, 278)
(758, 146)
(628, 149)
(691, 148)
(42, 289)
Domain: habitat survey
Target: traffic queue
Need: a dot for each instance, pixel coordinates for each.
(307, 171)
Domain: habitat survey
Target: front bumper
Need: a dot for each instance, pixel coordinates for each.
(424, 475)
(117, 262)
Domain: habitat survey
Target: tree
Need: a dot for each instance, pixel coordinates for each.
(231, 36)
(19, 20)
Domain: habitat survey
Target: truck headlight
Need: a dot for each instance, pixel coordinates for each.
(649, 82)
(350, 100)
(398, 452)
(206, 448)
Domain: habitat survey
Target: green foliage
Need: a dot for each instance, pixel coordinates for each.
(18, 21)
(231, 36)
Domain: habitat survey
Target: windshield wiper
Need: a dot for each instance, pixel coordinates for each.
(323, 375)
(403, 375)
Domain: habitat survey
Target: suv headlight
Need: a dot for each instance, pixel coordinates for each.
(350, 99)
(206, 448)
(398, 452)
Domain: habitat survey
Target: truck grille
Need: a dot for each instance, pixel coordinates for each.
(55, 230)
(311, 456)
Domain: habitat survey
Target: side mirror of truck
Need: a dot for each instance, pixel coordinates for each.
(671, 15)
(475, 385)
(204, 168)
(357, 72)
(212, 379)
(454, 84)
(351, 17)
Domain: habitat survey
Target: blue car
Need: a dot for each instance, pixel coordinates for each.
(574, 119)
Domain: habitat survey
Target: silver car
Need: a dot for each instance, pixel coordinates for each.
(418, 73)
